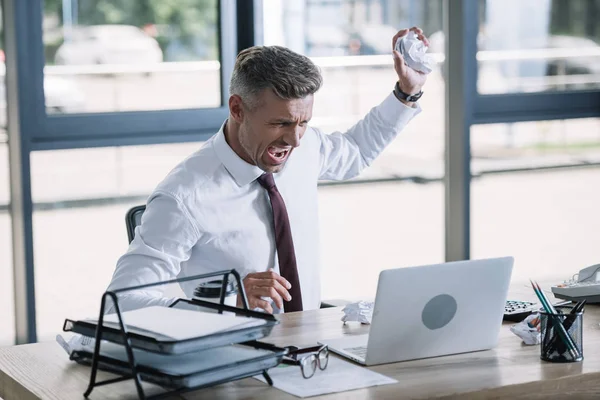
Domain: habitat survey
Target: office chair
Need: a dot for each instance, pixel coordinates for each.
(133, 218)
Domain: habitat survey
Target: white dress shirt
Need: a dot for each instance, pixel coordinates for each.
(211, 214)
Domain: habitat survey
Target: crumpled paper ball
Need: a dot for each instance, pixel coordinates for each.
(528, 329)
(361, 311)
(414, 52)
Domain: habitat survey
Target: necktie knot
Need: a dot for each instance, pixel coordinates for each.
(267, 181)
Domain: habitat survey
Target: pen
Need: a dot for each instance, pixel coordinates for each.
(558, 324)
(555, 320)
(569, 320)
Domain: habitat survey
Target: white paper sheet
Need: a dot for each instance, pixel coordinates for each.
(340, 376)
(414, 52)
(361, 311)
(181, 324)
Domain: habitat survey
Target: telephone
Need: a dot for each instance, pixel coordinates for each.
(583, 285)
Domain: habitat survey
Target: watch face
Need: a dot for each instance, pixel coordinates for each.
(415, 97)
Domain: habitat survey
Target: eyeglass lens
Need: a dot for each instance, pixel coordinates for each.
(323, 358)
(308, 366)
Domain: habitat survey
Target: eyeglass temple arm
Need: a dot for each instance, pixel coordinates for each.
(288, 361)
(312, 349)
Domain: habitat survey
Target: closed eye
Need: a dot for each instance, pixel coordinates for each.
(289, 123)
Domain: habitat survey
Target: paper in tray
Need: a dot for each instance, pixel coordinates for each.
(190, 370)
(158, 343)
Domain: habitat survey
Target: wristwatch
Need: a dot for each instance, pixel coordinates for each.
(400, 95)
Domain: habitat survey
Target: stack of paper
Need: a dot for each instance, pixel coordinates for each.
(178, 324)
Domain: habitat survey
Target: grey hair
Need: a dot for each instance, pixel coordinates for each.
(290, 75)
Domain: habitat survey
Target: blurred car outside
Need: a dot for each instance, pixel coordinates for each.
(108, 44)
(496, 76)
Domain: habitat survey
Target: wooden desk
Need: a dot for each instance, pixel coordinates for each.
(510, 371)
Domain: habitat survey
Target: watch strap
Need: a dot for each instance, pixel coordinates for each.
(400, 95)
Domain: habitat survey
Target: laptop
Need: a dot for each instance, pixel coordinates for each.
(431, 311)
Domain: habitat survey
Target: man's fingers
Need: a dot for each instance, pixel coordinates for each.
(264, 291)
(417, 30)
(280, 289)
(420, 34)
(398, 35)
(268, 284)
(270, 275)
(414, 29)
(399, 63)
(265, 305)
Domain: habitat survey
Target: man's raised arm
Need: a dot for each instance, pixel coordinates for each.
(345, 155)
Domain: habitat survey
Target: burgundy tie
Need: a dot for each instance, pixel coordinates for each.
(284, 242)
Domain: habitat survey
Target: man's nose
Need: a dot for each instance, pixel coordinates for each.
(292, 137)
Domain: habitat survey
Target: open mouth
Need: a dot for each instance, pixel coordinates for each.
(277, 154)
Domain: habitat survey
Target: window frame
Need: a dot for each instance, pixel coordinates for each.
(466, 107)
(530, 106)
(520, 107)
(31, 129)
(51, 132)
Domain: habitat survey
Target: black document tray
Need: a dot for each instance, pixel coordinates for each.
(188, 371)
(142, 344)
(166, 345)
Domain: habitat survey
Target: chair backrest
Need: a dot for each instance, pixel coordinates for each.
(132, 219)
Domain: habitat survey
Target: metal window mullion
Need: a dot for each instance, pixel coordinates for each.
(460, 31)
(517, 107)
(246, 24)
(18, 85)
(228, 25)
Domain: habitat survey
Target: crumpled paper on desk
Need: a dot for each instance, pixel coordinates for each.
(76, 343)
(528, 329)
(414, 52)
(361, 311)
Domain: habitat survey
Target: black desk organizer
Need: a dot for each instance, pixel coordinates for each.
(129, 369)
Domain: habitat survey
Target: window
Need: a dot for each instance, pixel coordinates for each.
(548, 220)
(79, 221)
(121, 55)
(372, 226)
(538, 45)
(534, 144)
(368, 228)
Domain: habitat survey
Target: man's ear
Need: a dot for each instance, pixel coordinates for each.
(236, 108)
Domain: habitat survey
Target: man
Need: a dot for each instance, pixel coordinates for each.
(248, 198)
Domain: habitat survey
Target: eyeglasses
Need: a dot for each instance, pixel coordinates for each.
(308, 364)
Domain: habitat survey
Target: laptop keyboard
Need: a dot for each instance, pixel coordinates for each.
(360, 351)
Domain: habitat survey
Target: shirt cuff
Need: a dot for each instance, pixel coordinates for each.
(395, 113)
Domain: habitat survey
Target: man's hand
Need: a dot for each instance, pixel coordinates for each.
(265, 284)
(409, 80)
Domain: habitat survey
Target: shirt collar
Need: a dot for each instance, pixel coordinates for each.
(240, 170)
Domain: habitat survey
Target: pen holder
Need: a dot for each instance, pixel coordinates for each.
(562, 336)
